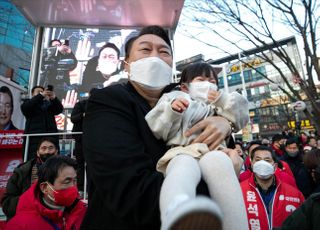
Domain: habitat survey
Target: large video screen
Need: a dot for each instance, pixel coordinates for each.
(75, 60)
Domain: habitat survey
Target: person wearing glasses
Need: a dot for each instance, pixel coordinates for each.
(25, 175)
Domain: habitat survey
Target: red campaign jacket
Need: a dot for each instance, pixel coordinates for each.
(286, 199)
(31, 214)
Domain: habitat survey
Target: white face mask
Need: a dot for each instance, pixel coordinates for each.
(151, 72)
(199, 90)
(263, 169)
(107, 67)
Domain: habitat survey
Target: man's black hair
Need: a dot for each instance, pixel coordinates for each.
(239, 143)
(197, 69)
(112, 46)
(49, 139)
(128, 46)
(277, 137)
(54, 40)
(50, 169)
(158, 31)
(35, 87)
(264, 148)
(291, 141)
(5, 89)
(254, 142)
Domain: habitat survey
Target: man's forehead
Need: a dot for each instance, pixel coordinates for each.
(46, 143)
(66, 172)
(151, 39)
(263, 154)
(292, 145)
(108, 50)
(4, 96)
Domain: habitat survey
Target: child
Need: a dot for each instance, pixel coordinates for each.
(184, 164)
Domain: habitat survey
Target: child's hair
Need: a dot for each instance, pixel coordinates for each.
(197, 69)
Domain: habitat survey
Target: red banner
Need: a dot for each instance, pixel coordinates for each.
(11, 139)
(10, 157)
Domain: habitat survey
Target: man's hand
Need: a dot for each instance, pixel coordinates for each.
(48, 94)
(82, 55)
(64, 49)
(213, 131)
(70, 100)
(237, 161)
(180, 105)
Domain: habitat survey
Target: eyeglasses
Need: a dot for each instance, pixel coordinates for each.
(50, 148)
(5, 107)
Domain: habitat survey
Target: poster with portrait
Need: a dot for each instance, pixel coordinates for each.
(76, 60)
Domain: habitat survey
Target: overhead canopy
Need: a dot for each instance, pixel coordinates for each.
(101, 13)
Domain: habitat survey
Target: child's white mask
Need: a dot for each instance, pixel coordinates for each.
(199, 90)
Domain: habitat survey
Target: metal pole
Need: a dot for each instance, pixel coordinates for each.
(85, 182)
(244, 91)
(36, 58)
(225, 80)
(25, 157)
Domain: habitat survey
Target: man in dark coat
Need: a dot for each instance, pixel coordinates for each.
(77, 116)
(40, 113)
(120, 150)
(293, 156)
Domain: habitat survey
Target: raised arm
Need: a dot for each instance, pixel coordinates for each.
(234, 107)
(163, 120)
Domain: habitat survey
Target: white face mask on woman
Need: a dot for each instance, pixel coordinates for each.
(151, 72)
(263, 169)
(199, 90)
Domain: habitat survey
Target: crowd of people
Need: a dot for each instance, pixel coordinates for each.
(161, 155)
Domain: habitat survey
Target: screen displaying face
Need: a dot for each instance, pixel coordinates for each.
(75, 60)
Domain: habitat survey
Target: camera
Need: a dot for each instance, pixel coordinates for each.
(64, 42)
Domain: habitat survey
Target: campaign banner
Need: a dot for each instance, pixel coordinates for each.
(11, 139)
(10, 155)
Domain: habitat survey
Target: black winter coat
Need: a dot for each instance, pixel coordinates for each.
(77, 116)
(39, 120)
(300, 173)
(121, 154)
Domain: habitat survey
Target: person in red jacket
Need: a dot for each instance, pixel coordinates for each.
(283, 170)
(268, 200)
(52, 202)
(278, 144)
